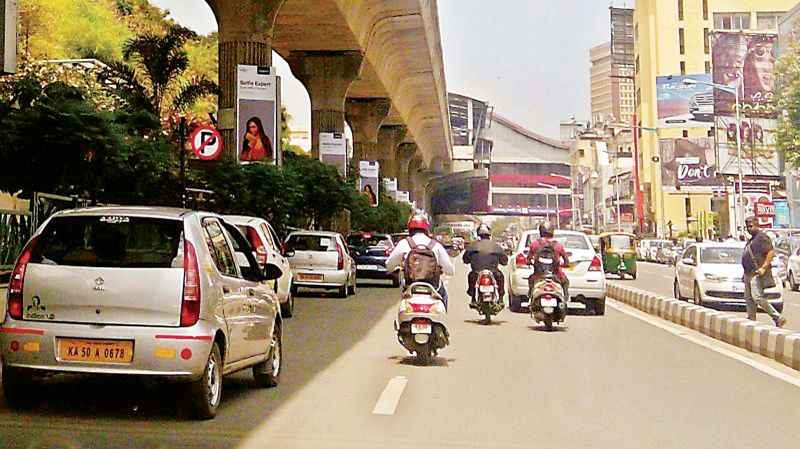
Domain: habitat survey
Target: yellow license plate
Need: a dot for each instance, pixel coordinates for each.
(96, 351)
(310, 277)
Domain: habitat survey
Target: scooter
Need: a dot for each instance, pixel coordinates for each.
(546, 301)
(487, 296)
(421, 323)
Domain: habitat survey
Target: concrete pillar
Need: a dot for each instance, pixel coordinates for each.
(327, 75)
(388, 139)
(413, 167)
(245, 37)
(365, 116)
(420, 192)
(405, 153)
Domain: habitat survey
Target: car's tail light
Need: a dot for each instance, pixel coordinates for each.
(486, 280)
(421, 308)
(522, 260)
(388, 251)
(340, 263)
(258, 244)
(549, 287)
(190, 307)
(17, 282)
(596, 265)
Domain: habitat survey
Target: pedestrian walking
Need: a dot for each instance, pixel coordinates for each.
(757, 264)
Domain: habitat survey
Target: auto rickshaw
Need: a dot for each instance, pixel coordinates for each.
(618, 250)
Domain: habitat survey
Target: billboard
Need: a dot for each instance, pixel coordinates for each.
(333, 151)
(782, 214)
(390, 186)
(685, 105)
(257, 117)
(760, 156)
(689, 165)
(622, 37)
(368, 181)
(744, 62)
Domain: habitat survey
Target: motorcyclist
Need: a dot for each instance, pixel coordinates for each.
(546, 231)
(484, 254)
(418, 230)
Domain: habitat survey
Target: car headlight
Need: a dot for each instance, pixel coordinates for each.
(714, 278)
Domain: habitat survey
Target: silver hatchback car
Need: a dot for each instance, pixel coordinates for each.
(140, 291)
(321, 259)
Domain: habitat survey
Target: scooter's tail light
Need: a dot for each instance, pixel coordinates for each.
(521, 260)
(486, 280)
(420, 308)
(596, 265)
(549, 288)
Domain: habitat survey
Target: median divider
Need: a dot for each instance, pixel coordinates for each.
(770, 341)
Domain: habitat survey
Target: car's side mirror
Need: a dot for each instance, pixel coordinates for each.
(289, 253)
(272, 272)
(688, 261)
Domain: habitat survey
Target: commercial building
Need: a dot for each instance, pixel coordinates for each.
(612, 88)
(673, 38)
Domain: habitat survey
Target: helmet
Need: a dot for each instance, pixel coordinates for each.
(546, 229)
(484, 229)
(419, 223)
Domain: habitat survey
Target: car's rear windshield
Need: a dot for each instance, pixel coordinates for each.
(362, 241)
(568, 241)
(721, 255)
(305, 242)
(110, 241)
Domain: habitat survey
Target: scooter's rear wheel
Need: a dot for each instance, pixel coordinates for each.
(423, 353)
(548, 322)
(486, 310)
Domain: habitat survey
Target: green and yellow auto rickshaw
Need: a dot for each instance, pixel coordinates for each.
(618, 250)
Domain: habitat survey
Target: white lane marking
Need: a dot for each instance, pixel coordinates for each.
(390, 397)
(713, 345)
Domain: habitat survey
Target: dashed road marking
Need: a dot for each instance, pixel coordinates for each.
(387, 403)
(713, 345)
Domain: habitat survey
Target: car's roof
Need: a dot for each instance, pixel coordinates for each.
(138, 211)
(242, 219)
(315, 233)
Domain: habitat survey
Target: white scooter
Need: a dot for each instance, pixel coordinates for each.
(421, 323)
(487, 296)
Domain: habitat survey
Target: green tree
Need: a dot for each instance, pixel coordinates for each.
(787, 96)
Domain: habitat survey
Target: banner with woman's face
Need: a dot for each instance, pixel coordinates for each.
(745, 62)
(368, 181)
(257, 115)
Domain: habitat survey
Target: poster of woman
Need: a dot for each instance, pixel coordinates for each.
(368, 180)
(257, 115)
(257, 145)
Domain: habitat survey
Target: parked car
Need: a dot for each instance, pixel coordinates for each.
(653, 248)
(785, 247)
(587, 282)
(370, 252)
(320, 260)
(399, 236)
(140, 291)
(641, 249)
(793, 270)
(265, 240)
(663, 252)
(711, 274)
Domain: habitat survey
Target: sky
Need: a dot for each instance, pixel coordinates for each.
(528, 58)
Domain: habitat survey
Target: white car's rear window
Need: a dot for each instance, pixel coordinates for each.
(118, 241)
(304, 242)
(721, 255)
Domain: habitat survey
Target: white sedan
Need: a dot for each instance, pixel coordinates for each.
(587, 282)
(711, 274)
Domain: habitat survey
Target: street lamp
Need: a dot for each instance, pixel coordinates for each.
(558, 214)
(738, 218)
(569, 178)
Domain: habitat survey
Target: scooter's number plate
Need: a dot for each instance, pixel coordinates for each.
(487, 288)
(549, 303)
(421, 328)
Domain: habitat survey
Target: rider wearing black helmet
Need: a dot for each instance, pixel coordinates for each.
(546, 243)
(484, 254)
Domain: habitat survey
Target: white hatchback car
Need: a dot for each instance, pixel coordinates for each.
(711, 274)
(268, 249)
(587, 282)
(321, 259)
(140, 291)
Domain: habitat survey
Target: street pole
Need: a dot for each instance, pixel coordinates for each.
(182, 130)
(558, 213)
(547, 205)
(616, 188)
(739, 160)
(638, 197)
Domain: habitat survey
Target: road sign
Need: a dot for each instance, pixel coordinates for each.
(206, 142)
(765, 209)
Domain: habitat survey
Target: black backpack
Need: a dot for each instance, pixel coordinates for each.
(544, 259)
(421, 264)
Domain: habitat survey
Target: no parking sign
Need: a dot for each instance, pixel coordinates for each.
(206, 143)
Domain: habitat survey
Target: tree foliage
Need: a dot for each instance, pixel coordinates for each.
(788, 103)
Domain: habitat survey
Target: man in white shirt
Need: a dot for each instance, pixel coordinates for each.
(418, 229)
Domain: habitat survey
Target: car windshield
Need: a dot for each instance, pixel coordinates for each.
(568, 241)
(110, 241)
(361, 241)
(309, 242)
(721, 255)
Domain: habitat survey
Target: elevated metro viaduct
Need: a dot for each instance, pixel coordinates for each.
(376, 64)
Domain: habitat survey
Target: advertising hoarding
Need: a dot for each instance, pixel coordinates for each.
(257, 116)
(333, 151)
(744, 62)
(689, 165)
(685, 105)
(390, 186)
(368, 180)
(760, 156)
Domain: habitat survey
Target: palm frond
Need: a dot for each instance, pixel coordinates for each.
(195, 89)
